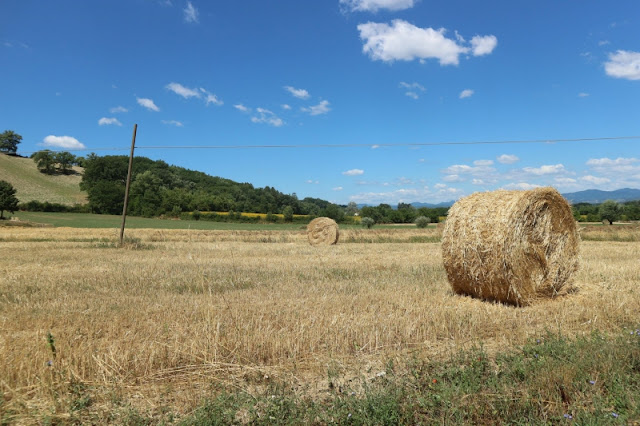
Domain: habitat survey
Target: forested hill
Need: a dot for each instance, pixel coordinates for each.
(160, 189)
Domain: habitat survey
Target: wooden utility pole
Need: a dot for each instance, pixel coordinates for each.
(126, 190)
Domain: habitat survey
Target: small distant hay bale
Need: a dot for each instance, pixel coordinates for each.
(511, 246)
(323, 231)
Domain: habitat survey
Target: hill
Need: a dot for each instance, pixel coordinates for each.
(31, 184)
(595, 196)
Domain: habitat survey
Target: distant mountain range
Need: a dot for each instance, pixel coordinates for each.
(591, 196)
(595, 196)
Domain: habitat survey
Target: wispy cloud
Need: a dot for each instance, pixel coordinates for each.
(241, 107)
(183, 91)
(118, 109)
(595, 179)
(412, 89)
(191, 13)
(173, 123)
(148, 103)
(508, 159)
(583, 94)
(353, 172)
(286, 106)
(338, 188)
(105, 121)
(210, 98)
(66, 142)
(404, 41)
(623, 64)
(466, 93)
(545, 170)
(375, 5)
(298, 93)
(321, 108)
(268, 117)
(521, 186)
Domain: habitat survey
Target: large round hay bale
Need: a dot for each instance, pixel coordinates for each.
(511, 246)
(323, 231)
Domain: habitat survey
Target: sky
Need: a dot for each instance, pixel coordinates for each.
(372, 101)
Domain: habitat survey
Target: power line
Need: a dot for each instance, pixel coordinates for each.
(364, 145)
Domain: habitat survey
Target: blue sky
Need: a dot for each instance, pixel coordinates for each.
(380, 74)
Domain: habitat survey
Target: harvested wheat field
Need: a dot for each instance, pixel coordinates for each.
(176, 315)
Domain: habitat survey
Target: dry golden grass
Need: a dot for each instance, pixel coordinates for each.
(194, 311)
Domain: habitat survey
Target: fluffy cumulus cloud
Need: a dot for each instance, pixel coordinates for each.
(321, 108)
(623, 64)
(521, 185)
(191, 13)
(507, 159)
(375, 5)
(466, 93)
(148, 104)
(298, 93)
(545, 170)
(483, 45)
(267, 117)
(66, 142)
(623, 171)
(595, 180)
(483, 163)
(353, 172)
(404, 41)
(106, 121)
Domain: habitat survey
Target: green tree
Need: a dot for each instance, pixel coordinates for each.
(422, 221)
(610, 211)
(45, 160)
(65, 161)
(106, 197)
(352, 209)
(8, 200)
(9, 141)
(367, 222)
(288, 214)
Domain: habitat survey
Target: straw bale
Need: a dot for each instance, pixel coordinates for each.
(511, 246)
(323, 231)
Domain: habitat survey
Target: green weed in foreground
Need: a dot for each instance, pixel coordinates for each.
(553, 380)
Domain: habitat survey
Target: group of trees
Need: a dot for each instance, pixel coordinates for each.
(609, 211)
(404, 213)
(50, 162)
(8, 200)
(160, 189)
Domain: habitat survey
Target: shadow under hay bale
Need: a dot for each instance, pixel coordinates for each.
(323, 231)
(511, 246)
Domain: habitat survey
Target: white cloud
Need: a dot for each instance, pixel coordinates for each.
(439, 186)
(118, 109)
(173, 123)
(375, 5)
(268, 117)
(353, 172)
(190, 13)
(313, 182)
(603, 42)
(375, 146)
(241, 107)
(604, 162)
(483, 45)
(210, 98)
(565, 180)
(623, 64)
(286, 106)
(521, 186)
(412, 95)
(298, 93)
(147, 103)
(466, 93)
(338, 188)
(508, 159)
(453, 178)
(478, 182)
(412, 86)
(583, 94)
(105, 121)
(183, 91)
(545, 170)
(595, 180)
(483, 162)
(404, 41)
(321, 108)
(66, 142)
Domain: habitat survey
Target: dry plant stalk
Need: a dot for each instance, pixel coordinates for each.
(511, 246)
(323, 231)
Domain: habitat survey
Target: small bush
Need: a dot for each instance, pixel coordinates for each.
(367, 222)
(422, 221)
(196, 215)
